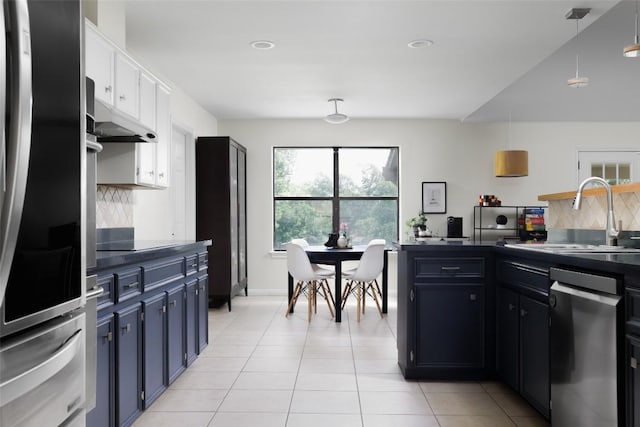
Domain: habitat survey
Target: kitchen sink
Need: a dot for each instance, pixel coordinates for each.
(571, 248)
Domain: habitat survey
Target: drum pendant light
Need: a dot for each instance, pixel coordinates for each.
(336, 118)
(633, 50)
(511, 163)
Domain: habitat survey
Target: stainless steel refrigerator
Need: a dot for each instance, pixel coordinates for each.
(42, 211)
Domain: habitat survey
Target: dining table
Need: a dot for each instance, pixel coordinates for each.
(335, 257)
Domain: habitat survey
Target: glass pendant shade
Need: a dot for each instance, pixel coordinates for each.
(511, 163)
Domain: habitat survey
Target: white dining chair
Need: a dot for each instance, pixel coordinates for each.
(363, 279)
(307, 281)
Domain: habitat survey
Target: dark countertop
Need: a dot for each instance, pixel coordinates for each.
(147, 250)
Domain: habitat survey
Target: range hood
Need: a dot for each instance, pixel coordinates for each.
(113, 126)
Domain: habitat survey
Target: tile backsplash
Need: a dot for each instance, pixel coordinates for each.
(114, 207)
(593, 213)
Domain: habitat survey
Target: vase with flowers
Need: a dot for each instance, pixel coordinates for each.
(343, 240)
(419, 225)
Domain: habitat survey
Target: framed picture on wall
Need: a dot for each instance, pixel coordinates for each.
(434, 197)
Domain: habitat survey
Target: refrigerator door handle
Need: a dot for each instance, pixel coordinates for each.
(18, 143)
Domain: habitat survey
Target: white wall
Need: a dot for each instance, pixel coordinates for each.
(430, 150)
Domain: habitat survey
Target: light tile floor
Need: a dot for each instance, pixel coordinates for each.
(262, 369)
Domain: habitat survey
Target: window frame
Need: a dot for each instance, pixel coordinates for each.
(335, 198)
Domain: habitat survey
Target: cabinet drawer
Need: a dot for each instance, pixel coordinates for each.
(192, 264)
(525, 275)
(108, 285)
(632, 309)
(128, 283)
(203, 261)
(426, 268)
(163, 272)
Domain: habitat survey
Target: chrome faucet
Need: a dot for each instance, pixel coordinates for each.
(611, 230)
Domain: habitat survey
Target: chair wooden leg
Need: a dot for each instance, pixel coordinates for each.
(314, 287)
(333, 301)
(375, 299)
(310, 291)
(345, 293)
(325, 287)
(294, 298)
(358, 298)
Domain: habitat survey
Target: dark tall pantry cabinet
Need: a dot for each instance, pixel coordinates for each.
(221, 204)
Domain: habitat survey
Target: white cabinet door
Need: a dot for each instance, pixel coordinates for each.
(127, 86)
(147, 100)
(100, 56)
(163, 102)
(146, 159)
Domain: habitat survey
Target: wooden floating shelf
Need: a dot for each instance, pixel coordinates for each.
(592, 191)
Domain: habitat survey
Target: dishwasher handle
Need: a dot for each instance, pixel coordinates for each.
(611, 300)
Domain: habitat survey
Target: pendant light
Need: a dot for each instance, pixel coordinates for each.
(511, 163)
(633, 50)
(577, 14)
(336, 118)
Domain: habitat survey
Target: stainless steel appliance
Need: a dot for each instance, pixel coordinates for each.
(42, 229)
(93, 290)
(585, 365)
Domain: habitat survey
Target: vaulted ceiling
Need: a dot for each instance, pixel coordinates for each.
(489, 60)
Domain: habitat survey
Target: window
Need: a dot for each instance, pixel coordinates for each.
(616, 167)
(318, 189)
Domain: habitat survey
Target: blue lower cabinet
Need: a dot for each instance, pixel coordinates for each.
(534, 353)
(176, 360)
(508, 326)
(451, 315)
(203, 312)
(633, 380)
(155, 313)
(103, 415)
(128, 364)
(191, 323)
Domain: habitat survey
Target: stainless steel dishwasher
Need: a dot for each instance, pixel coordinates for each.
(585, 310)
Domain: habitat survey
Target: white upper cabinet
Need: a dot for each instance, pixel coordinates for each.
(100, 61)
(127, 86)
(123, 84)
(164, 136)
(147, 100)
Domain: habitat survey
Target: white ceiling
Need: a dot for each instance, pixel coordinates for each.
(490, 58)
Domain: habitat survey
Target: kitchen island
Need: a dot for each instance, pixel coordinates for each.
(152, 322)
(480, 311)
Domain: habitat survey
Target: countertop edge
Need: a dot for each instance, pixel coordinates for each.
(111, 259)
(597, 191)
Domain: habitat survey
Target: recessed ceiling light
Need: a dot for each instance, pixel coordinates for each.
(420, 43)
(263, 44)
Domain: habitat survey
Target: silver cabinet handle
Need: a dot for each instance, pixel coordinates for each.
(123, 98)
(523, 312)
(445, 268)
(108, 89)
(126, 328)
(511, 307)
(173, 303)
(132, 285)
(161, 174)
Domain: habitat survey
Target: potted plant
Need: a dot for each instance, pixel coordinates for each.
(418, 223)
